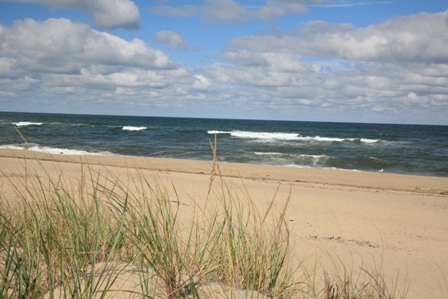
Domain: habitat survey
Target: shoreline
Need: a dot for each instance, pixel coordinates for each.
(344, 178)
(394, 223)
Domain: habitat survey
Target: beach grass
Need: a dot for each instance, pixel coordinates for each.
(102, 236)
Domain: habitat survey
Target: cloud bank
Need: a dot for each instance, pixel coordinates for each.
(421, 37)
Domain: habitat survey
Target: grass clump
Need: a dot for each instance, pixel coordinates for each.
(52, 237)
(97, 236)
(77, 238)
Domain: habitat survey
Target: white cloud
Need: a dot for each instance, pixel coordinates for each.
(279, 62)
(395, 70)
(274, 9)
(385, 72)
(421, 37)
(106, 14)
(331, 4)
(175, 40)
(171, 11)
(383, 90)
(17, 85)
(272, 74)
(230, 12)
(60, 45)
(224, 11)
(6, 94)
(243, 58)
(8, 68)
(125, 91)
(201, 82)
(58, 56)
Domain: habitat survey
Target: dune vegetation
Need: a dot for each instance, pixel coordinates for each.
(100, 236)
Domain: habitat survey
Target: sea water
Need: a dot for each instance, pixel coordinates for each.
(406, 149)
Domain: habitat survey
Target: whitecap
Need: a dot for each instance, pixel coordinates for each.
(213, 132)
(265, 135)
(323, 139)
(329, 139)
(26, 123)
(366, 140)
(313, 156)
(335, 139)
(131, 128)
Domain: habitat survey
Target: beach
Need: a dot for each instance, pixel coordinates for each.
(396, 224)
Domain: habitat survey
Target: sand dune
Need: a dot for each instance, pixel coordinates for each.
(398, 223)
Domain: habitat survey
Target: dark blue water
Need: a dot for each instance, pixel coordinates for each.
(408, 149)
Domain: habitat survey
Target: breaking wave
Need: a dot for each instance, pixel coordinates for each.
(258, 135)
(25, 124)
(54, 150)
(131, 128)
(288, 136)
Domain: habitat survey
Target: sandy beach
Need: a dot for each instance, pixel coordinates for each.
(397, 224)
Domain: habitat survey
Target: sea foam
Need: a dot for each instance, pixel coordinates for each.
(54, 151)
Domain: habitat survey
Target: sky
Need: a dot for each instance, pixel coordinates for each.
(371, 61)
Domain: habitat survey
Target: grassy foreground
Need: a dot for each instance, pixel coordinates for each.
(98, 236)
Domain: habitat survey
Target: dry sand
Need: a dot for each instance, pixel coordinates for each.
(365, 220)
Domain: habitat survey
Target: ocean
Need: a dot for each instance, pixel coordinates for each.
(392, 148)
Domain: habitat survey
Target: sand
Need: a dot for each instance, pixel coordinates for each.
(395, 223)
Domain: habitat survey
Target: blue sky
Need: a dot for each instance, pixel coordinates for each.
(381, 61)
